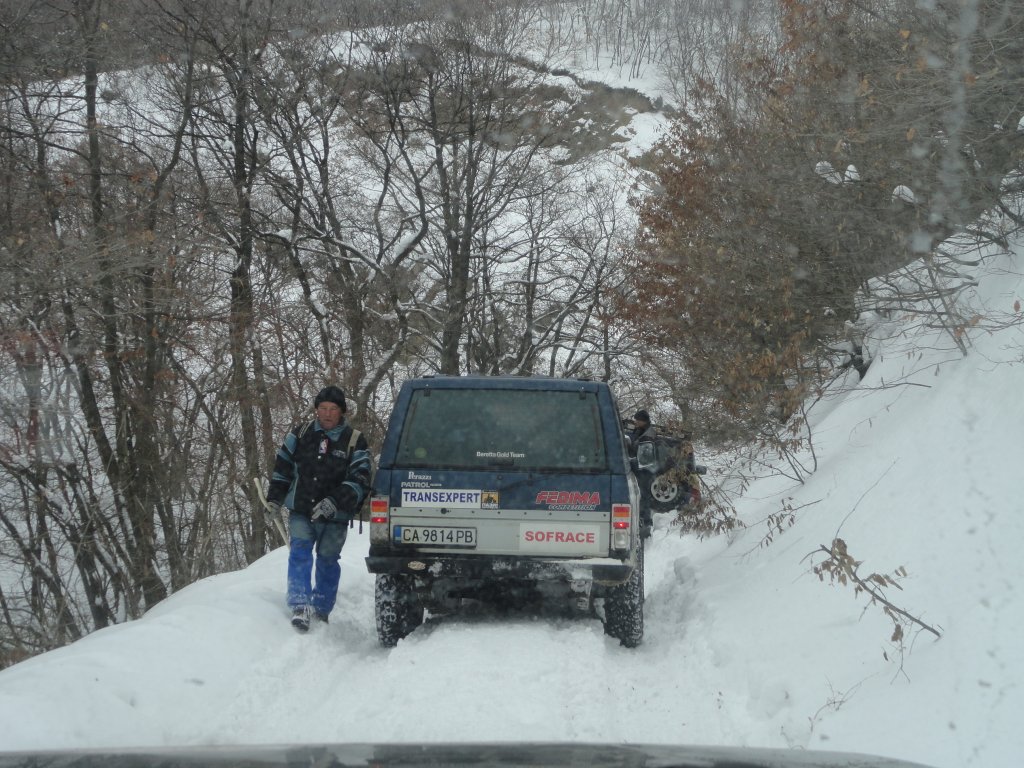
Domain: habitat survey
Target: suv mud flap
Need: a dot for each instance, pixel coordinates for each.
(444, 567)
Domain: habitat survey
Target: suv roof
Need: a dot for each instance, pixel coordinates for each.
(504, 381)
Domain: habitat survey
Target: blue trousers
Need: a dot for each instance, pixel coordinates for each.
(316, 584)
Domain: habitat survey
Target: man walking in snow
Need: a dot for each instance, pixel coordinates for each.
(321, 475)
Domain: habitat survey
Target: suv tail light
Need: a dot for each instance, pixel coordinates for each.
(621, 524)
(380, 517)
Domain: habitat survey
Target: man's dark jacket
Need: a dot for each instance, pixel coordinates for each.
(313, 464)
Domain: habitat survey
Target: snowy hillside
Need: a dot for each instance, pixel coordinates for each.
(918, 466)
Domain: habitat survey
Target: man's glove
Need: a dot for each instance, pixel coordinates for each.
(324, 510)
(277, 517)
(275, 510)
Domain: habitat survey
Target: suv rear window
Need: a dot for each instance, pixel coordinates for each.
(488, 428)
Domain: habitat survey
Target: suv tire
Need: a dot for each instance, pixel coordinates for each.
(665, 493)
(398, 610)
(624, 607)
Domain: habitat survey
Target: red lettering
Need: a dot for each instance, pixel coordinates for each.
(561, 537)
(566, 498)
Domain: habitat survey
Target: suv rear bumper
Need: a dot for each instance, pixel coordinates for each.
(600, 570)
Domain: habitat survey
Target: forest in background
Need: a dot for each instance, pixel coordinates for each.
(210, 212)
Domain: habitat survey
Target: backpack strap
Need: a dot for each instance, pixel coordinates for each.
(353, 439)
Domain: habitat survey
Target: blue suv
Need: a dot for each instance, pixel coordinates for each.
(505, 487)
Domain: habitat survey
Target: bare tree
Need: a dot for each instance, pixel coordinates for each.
(190, 248)
(82, 219)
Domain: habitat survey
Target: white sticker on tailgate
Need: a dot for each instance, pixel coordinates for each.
(559, 539)
(440, 497)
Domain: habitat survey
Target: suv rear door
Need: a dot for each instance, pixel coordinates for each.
(502, 471)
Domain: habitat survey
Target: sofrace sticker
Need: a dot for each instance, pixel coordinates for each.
(559, 539)
(441, 497)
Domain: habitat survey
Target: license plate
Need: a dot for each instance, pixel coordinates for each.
(435, 536)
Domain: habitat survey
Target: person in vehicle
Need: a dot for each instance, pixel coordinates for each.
(322, 476)
(642, 431)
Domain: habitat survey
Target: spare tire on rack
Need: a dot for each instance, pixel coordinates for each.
(666, 492)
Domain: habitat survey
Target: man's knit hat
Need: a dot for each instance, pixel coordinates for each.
(331, 394)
